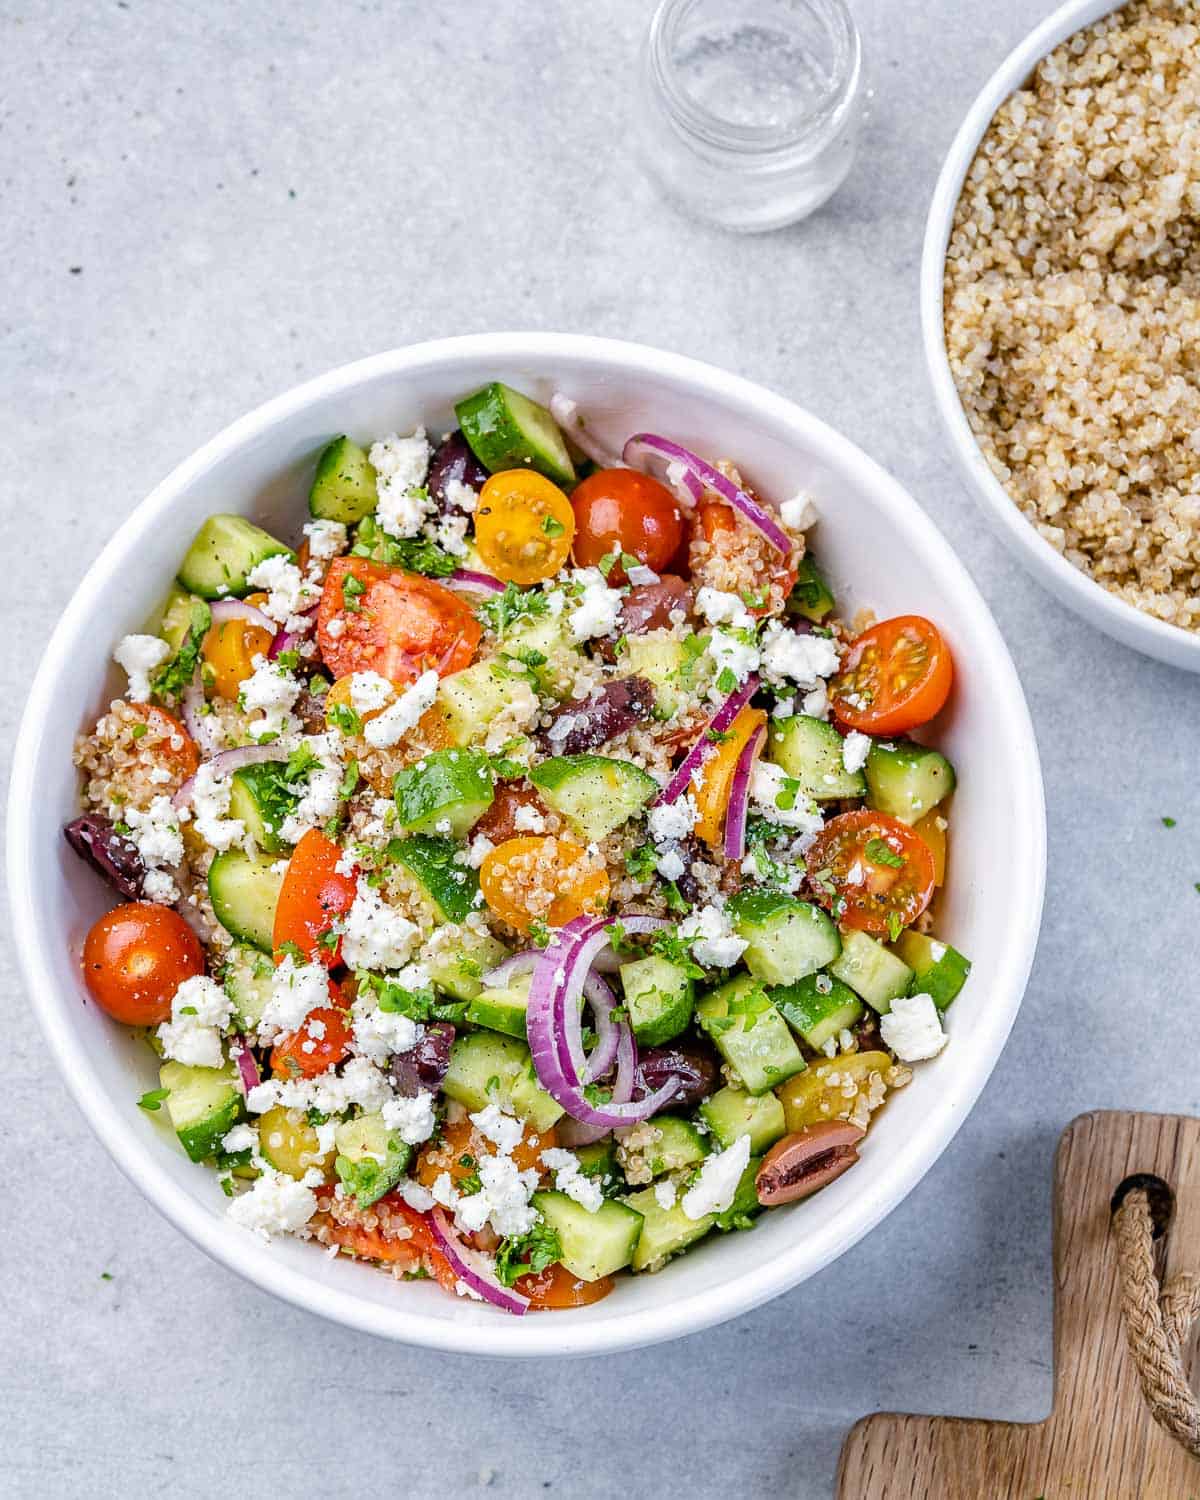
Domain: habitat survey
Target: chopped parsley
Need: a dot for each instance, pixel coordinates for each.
(175, 675)
(527, 1254)
(504, 610)
(343, 717)
(1168, 822)
(880, 852)
(416, 554)
(417, 1005)
(553, 528)
(352, 589)
(641, 862)
(153, 1100)
(895, 925)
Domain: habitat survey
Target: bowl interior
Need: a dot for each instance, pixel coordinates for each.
(1089, 599)
(881, 552)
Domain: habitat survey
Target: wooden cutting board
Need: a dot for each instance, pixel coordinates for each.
(1100, 1442)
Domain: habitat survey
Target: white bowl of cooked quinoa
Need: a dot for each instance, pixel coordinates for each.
(1060, 314)
(881, 557)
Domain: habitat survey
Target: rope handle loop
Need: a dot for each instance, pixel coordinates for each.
(1157, 1319)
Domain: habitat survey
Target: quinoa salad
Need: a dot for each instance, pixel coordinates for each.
(523, 871)
(1072, 303)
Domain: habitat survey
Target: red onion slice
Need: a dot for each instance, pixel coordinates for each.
(566, 413)
(470, 582)
(554, 1025)
(470, 1267)
(649, 443)
(225, 610)
(247, 1068)
(197, 723)
(225, 763)
(739, 796)
(599, 995)
(512, 967)
(289, 640)
(705, 745)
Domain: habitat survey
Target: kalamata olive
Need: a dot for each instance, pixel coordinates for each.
(115, 857)
(648, 606)
(690, 850)
(618, 706)
(801, 1163)
(500, 822)
(452, 460)
(310, 710)
(423, 1067)
(694, 1067)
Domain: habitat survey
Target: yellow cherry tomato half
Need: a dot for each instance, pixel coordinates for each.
(524, 526)
(710, 785)
(542, 878)
(229, 651)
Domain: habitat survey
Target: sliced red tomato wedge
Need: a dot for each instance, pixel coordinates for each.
(314, 893)
(373, 618)
(872, 872)
(318, 1043)
(895, 676)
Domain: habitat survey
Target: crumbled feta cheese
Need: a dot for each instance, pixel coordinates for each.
(503, 1198)
(665, 1193)
(504, 1132)
(913, 1028)
(673, 820)
(415, 1195)
(798, 513)
(717, 1181)
(275, 1204)
(804, 659)
(322, 792)
(670, 864)
(460, 496)
(855, 749)
(138, 655)
(556, 602)
(527, 819)
(289, 593)
(450, 533)
(380, 1033)
(360, 1083)
(335, 628)
(375, 935)
(240, 1138)
(713, 942)
(816, 702)
(481, 847)
(569, 1179)
(209, 804)
(444, 1191)
(400, 465)
(272, 691)
(598, 608)
(155, 830)
(778, 797)
(396, 720)
(158, 886)
(720, 608)
(732, 654)
(200, 1008)
(369, 691)
(295, 990)
(413, 1120)
(326, 539)
(640, 575)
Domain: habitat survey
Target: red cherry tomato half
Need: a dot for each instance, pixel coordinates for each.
(373, 618)
(620, 510)
(136, 957)
(872, 872)
(894, 677)
(313, 894)
(320, 1042)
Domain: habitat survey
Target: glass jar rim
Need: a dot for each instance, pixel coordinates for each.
(718, 131)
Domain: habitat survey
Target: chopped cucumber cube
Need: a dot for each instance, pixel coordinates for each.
(785, 938)
(223, 552)
(730, 1113)
(811, 751)
(811, 595)
(260, 797)
(502, 1009)
(939, 970)
(905, 780)
(486, 1068)
(750, 1034)
(344, 486)
(446, 792)
(659, 997)
(507, 430)
(594, 793)
(450, 886)
(818, 1007)
(244, 893)
(204, 1105)
(673, 1143)
(371, 1158)
(871, 971)
(593, 1244)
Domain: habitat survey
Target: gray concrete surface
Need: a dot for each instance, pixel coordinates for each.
(203, 204)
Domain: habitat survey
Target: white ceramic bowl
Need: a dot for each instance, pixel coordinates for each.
(880, 550)
(1130, 626)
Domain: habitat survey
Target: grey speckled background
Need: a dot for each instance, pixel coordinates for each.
(203, 204)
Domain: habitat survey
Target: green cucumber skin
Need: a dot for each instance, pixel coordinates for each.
(785, 938)
(203, 1105)
(344, 485)
(810, 750)
(430, 861)
(811, 595)
(763, 1054)
(817, 1015)
(244, 893)
(452, 785)
(939, 970)
(872, 971)
(906, 780)
(251, 789)
(730, 1113)
(660, 998)
(508, 430)
(595, 793)
(223, 552)
(593, 1244)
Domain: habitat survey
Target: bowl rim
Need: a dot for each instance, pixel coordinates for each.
(1118, 618)
(559, 1336)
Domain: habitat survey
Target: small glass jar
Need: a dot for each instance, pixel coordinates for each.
(749, 110)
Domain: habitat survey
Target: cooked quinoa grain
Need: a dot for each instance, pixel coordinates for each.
(1072, 303)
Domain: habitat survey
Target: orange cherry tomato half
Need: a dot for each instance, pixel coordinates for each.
(556, 1287)
(314, 892)
(894, 677)
(620, 510)
(135, 958)
(167, 738)
(743, 561)
(320, 1042)
(373, 618)
(710, 785)
(524, 526)
(872, 872)
(542, 878)
(458, 1146)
